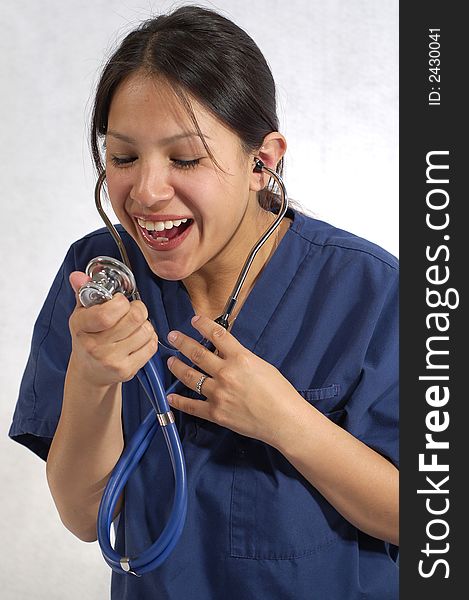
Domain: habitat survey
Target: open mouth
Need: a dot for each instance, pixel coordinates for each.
(163, 231)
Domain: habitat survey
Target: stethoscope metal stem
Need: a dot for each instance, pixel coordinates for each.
(223, 319)
(112, 230)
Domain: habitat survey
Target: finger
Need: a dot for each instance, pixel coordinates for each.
(100, 317)
(139, 338)
(195, 352)
(77, 279)
(195, 408)
(222, 339)
(135, 361)
(189, 376)
(132, 321)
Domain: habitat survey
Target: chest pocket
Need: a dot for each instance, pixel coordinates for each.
(275, 513)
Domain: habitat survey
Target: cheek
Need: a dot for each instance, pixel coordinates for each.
(223, 197)
(118, 192)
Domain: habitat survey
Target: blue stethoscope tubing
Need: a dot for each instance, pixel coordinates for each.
(151, 377)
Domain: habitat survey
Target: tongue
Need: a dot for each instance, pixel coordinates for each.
(169, 233)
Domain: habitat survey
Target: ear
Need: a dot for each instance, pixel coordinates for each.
(273, 148)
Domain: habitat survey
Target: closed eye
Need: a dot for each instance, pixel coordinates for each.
(185, 164)
(122, 161)
(175, 162)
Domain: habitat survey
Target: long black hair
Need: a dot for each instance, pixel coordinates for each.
(203, 55)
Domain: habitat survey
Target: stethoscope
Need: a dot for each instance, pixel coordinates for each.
(108, 277)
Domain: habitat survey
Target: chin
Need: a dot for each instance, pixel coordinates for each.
(168, 272)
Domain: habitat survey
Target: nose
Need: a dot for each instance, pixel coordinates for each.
(151, 186)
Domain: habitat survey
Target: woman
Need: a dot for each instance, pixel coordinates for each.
(291, 457)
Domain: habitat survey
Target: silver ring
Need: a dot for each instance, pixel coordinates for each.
(199, 384)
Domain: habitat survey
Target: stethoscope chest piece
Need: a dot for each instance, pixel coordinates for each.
(108, 277)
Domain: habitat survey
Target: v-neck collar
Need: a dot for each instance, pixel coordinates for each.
(271, 285)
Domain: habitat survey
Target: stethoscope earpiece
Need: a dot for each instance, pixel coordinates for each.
(258, 165)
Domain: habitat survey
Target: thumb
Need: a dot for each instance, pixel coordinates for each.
(77, 279)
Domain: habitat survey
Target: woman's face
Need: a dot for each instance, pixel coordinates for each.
(183, 211)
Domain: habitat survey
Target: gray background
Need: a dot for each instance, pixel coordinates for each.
(335, 63)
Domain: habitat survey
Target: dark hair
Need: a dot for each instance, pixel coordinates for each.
(204, 55)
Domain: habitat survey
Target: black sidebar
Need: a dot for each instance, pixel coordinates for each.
(434, 237)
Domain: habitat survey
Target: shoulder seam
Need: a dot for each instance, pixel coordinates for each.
(97, 232)
(345, 247)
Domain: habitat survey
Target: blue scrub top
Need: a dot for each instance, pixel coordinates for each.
(323, 311)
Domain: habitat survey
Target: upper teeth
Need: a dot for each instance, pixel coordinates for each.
(160, 225)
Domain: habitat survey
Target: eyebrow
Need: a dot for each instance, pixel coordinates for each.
(163, 142)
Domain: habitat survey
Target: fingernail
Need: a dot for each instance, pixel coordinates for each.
(172, 336)
(170, 361)
(195, 319)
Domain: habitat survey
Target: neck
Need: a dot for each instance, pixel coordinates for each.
(209, 288)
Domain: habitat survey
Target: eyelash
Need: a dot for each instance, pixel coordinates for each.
(176, 163)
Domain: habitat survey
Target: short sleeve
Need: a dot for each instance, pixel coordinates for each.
(373, 408)
(40, 397)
